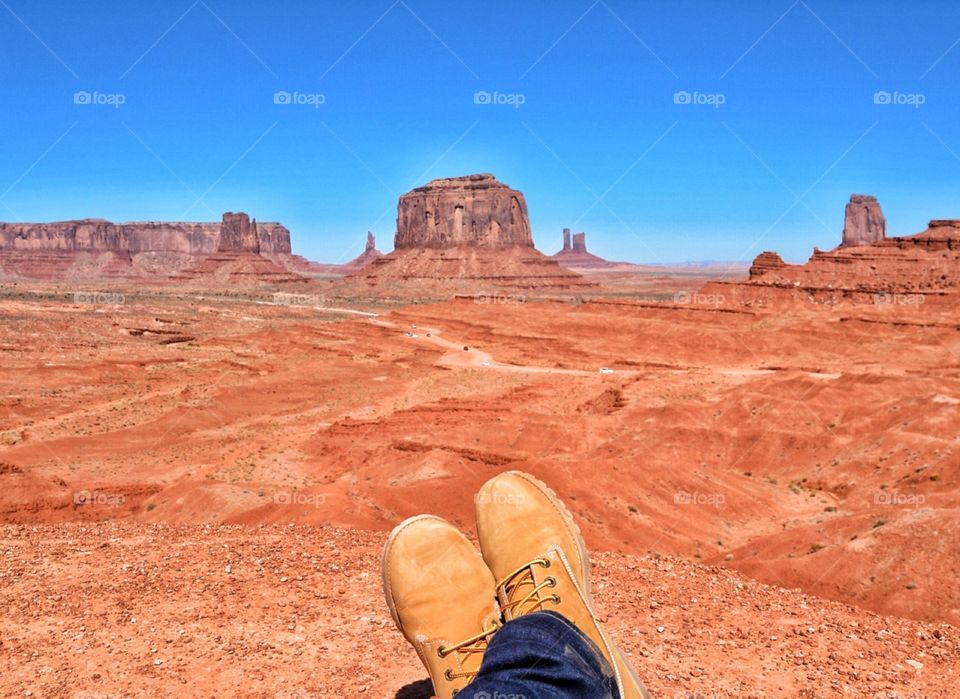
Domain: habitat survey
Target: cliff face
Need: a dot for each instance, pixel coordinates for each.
(98, 235)
(472, 211)
(864, 222)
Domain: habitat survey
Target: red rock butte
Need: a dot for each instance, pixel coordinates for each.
(100, 249)
(465, 235)
(866, 267)
(575, 253)
(475, 211)
(238, 258)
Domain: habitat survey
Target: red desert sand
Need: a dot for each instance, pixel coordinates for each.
(196, 480)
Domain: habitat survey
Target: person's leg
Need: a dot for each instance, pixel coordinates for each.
(542, 656)
(534, 549)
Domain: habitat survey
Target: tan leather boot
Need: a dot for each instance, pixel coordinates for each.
(534, 549)
(442, 597)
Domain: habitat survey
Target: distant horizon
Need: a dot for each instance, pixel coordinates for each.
(380, 243)
(666, 139)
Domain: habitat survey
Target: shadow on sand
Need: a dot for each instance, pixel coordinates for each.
(416, 690)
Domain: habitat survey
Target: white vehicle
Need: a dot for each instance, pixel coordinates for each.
(486, 364)
(606, 370)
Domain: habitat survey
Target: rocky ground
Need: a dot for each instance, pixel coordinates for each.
(122, 609)
(155, 449)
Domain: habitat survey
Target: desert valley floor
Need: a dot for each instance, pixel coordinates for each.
(771, 491)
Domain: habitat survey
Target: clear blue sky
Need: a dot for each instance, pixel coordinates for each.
(598, 120)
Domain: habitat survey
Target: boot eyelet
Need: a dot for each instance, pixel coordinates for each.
(448, 674)
(545, 562)
(556, 599)
(442, 652)
(551, 581)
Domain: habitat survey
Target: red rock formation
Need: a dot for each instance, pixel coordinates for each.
(463, 235)
(918, 269)
(580, 242)
(238, 259)
(575, 254)
(474, 211)
(864, 222)
(370, 253)
(766, 262)
(238, 234)
(72, 250)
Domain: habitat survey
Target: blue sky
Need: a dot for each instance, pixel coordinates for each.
(182, 121)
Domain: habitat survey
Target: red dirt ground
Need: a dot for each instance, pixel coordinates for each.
(804, 447)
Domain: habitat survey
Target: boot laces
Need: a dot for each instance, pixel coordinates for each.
(522, 593)
(466, 649)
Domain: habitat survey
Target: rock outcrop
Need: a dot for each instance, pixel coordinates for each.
(902, 271)
(238, 234)
(574, 253)
(864, 223)
(766, 262)
(462, 235)
(238, 259)
(97, 248)
(471, 211)
(369, 254)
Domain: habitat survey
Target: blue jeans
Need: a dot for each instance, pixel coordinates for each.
(542, 656)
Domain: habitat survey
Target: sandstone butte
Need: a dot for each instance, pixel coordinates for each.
(467, 234)
(867, 266)
(575, 254)
(99, 249)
